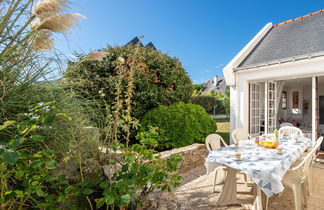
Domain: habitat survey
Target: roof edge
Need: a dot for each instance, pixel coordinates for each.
(228, 70)
(280, 61)
(301, 17)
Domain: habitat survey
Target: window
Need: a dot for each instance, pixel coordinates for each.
(284, 100)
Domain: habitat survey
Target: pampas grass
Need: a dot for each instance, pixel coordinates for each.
(47, 8)
(48, 18)
(43, 41)
(59, 23)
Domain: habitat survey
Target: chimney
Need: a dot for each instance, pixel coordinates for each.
(215, 79)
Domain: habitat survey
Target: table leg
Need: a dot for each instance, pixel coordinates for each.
(228, 194)
(257, 205)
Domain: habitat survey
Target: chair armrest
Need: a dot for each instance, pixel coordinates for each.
(299, 165)
(224, 142)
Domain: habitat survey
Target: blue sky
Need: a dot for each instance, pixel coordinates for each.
(204, 34)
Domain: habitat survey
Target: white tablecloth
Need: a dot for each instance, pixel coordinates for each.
(264, 166)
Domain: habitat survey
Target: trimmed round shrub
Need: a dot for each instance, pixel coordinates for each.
(180, 125)
(209, 102)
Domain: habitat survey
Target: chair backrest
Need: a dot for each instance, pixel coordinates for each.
(289, 130)
(213, 142)
(307, 161)
(239, 134)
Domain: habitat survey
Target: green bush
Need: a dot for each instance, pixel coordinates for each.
(158, 78)
(181, 124)
(209, 102)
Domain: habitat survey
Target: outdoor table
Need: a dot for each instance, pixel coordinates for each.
(265, 167)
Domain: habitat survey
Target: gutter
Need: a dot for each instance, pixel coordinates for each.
(280, 61)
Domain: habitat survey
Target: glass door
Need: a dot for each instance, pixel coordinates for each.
(255, 108)
(271, 109)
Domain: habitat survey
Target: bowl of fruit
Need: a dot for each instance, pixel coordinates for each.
(270, 144)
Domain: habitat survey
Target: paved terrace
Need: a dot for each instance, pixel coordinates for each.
(196, 192)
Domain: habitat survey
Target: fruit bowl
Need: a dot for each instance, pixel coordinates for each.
(270, 144)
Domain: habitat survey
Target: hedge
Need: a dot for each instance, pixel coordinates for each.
(180, 125)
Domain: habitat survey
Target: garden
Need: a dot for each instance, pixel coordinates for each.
(89, 138)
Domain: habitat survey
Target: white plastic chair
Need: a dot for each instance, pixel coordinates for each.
(295, 177)
(289, 130)
(213, 142)
(239, 134)
(316, 148)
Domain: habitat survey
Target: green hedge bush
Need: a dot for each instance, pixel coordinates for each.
(208, 102)
(180, 124)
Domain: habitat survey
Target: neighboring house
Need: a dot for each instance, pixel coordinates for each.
(99, 55)
(217, 84)
(278, 78)
(136, 41)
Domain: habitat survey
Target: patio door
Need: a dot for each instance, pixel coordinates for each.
(255, 108)
(270, 106)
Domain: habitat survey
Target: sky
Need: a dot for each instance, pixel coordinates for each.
(204, 34)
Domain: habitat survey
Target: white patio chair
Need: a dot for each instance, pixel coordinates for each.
(295, 178)
(289, 130)
(213, 142)
(239, 134)
(316, 148)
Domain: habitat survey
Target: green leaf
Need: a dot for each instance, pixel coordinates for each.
(19, 193)
(10, 157)
(100, 202)
(88, 191)
(6, 124)
(19, 174)
(40, 193)
(16, 142)
(63, 116)
(109, 200)
(50, 164)
(109, 197)
(125, 200)
(37, 137)
(115, 148)
(103, 185)
(34, 183)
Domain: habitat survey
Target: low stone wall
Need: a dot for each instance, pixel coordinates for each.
(193, 155)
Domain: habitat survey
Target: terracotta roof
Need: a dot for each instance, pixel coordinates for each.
(291, 20)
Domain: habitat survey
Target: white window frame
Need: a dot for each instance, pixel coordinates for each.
(255, 109)
(270, 106)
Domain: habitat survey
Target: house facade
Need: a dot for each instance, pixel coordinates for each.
(278, 78)
(217, 84)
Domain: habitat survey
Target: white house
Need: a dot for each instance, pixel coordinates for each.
(278, 77)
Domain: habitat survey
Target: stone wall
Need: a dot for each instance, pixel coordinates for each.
(193, 155)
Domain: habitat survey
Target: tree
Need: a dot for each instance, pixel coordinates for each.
(158, 78)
